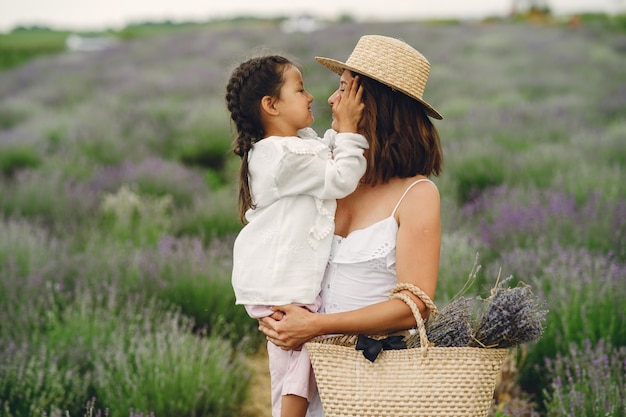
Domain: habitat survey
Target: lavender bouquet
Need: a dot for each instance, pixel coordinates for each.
(509, 317)
(452, 327)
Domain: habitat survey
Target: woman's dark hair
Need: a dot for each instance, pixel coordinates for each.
(403, 140)
(249, 83)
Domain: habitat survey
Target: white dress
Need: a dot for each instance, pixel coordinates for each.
(361, 270)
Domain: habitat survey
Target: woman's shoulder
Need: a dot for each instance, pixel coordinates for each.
(420, 187)
(419, 182)
(420, 193)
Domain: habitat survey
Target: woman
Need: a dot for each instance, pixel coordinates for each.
(388, 230)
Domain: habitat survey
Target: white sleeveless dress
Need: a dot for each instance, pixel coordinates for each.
(361, 270)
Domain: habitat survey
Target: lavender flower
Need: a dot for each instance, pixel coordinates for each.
(511, 317)
(452, 327)
(587, 380)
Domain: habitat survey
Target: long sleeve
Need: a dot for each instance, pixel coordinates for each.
(319, 174)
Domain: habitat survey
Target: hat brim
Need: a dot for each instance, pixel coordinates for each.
(339, 67)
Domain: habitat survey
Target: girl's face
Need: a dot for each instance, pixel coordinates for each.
(294, 103)
(343, 82)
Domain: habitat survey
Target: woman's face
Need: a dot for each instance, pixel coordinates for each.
(343, 82)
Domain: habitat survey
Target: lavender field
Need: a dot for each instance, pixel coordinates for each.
(118, 211)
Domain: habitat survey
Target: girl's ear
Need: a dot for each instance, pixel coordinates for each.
(267, 105)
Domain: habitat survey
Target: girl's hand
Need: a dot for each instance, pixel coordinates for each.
(292, 331)
(348, 107)
(277, 315)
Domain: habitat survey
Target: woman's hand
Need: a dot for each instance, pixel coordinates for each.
(349, 106)
(293, 330)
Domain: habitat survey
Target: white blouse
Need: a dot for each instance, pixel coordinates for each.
(362, 266)
(280, 256)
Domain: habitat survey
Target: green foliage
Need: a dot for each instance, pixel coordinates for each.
(583, 298)
(209, 226)
(129, 356)
(213, 217)
(618, 21)
(207, 150)
(477, 173)
(134, 218)
(109, 332)
(211, 302)
(44, 196)
(196, 280)
(15, 158)
(201, 375)
(102, 151)
(139, 30)
(458, 251)
(612, 149)
(211, 151)
(512, 142)
(615, 21)
(25, 251)
(10, 117)
(33, 379)
(213, 179)
(23, 245)
(21, 46)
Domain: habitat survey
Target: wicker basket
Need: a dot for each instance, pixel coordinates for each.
(425, 381)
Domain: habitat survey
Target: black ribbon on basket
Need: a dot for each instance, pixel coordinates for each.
(372, 347)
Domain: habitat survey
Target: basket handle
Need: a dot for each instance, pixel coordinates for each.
(396, 293)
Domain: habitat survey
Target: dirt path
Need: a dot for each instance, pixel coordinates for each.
(260, 403)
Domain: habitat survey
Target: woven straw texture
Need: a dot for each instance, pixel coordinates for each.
(391, 62)
(426, 381)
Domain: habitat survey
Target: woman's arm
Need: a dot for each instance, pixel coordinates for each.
(417, 262)
(299, 325)
(418, 243)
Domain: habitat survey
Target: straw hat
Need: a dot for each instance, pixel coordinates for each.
(390, 61)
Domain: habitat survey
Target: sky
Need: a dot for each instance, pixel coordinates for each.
(113, 14)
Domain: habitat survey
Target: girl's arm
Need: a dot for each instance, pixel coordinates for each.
(317, 172)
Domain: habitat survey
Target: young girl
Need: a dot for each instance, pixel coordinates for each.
(289, 182)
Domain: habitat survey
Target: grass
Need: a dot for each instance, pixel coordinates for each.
(118, 209)
(20, 46)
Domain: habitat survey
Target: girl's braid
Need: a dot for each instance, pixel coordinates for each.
(248, 84)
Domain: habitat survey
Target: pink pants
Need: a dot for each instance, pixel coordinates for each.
(290, 370)
(290, 373)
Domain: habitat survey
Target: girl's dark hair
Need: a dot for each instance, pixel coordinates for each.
(248, 84)
(403, 140)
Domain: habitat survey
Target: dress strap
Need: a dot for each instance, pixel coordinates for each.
(405, 192)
